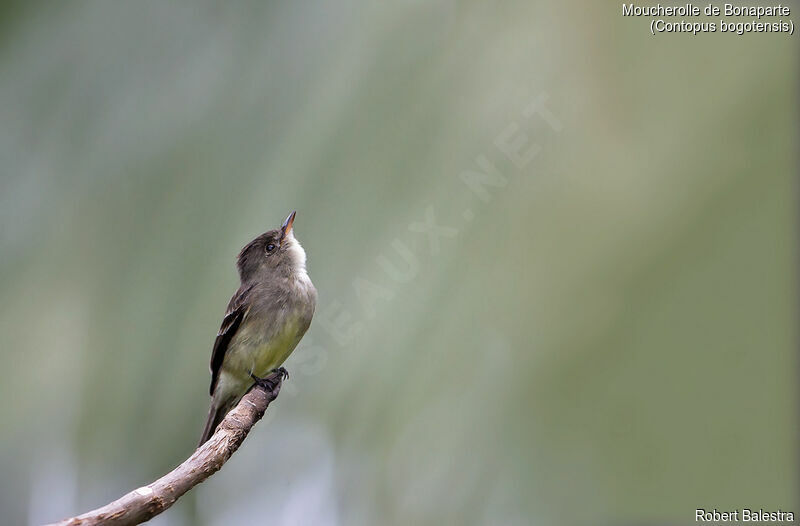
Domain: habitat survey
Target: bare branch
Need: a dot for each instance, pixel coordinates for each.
(142, 504)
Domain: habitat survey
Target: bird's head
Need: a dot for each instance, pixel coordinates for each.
(276, 252)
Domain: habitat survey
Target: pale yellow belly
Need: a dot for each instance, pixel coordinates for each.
(250, 352)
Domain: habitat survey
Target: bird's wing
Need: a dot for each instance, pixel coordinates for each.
(237, 308)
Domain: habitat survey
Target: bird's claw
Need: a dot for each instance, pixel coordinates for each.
(269, 384)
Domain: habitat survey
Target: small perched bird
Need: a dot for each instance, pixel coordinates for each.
(265, 319)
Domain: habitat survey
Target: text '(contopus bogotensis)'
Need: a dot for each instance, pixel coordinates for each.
(265, 319)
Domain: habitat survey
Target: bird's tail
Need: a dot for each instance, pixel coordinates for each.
(215, 415)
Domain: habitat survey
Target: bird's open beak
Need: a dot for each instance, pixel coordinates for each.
(286, 227)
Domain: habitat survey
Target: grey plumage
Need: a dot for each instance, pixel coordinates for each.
(264, 321)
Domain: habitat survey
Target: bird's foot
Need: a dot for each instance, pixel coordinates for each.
(272, 380)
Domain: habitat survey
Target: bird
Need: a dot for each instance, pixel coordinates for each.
(265, 320)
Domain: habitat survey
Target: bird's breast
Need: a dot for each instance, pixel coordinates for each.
(270, 332)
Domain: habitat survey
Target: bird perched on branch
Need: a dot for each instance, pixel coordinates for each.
(265, 319)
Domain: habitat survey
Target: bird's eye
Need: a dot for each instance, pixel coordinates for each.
(270, 248)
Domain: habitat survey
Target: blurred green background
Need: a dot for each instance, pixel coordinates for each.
(600, 331)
